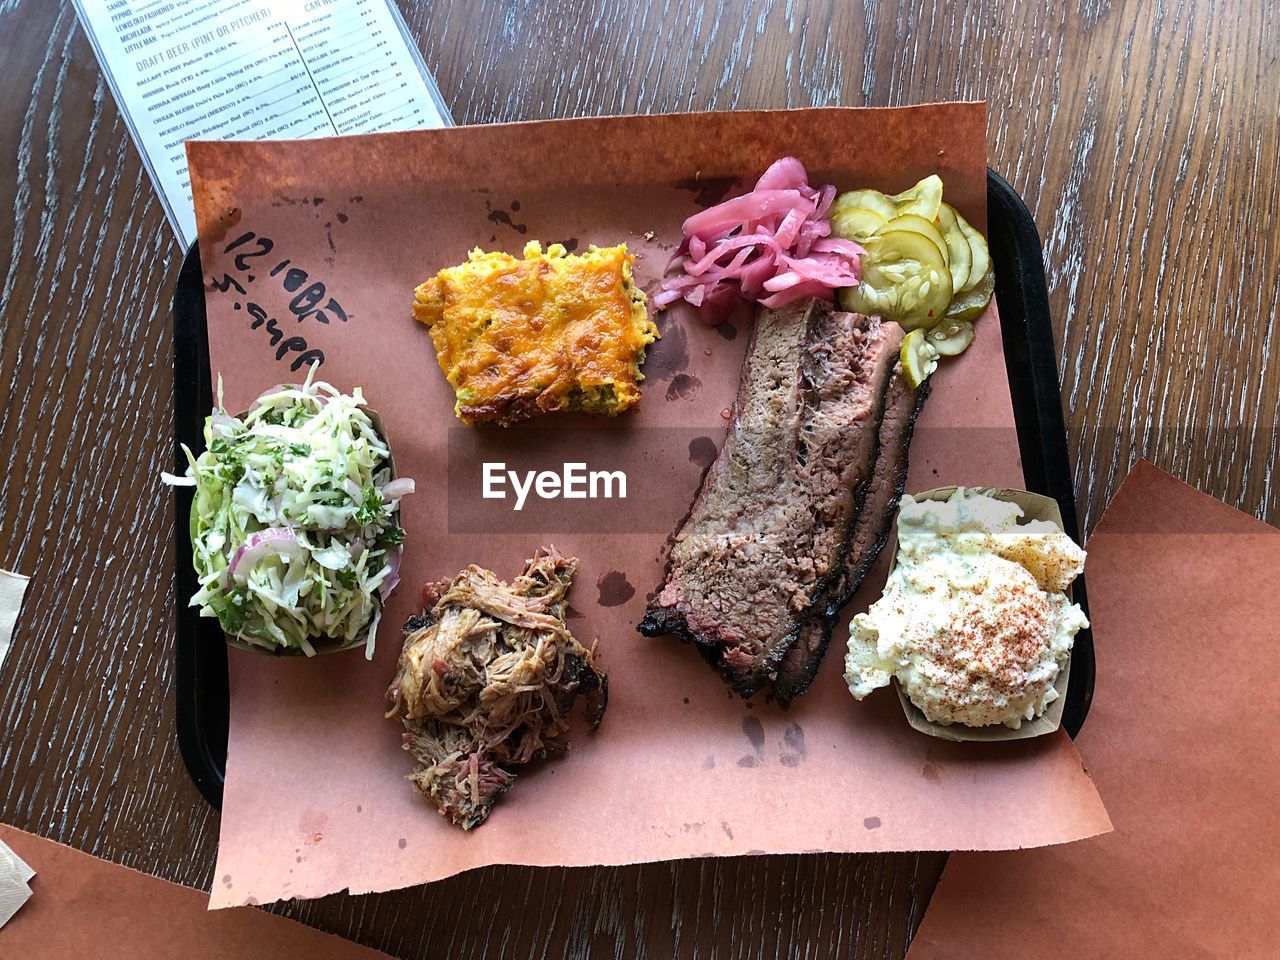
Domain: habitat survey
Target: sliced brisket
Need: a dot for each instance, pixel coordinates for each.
(768, 528)
(867, 538)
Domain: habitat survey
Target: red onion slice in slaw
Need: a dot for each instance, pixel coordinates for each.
(259, 545)
(396, 489)
(392, 579)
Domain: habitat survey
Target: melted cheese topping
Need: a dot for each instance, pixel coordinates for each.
(517, 338)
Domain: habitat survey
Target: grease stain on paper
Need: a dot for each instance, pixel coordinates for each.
(683, 386)
(871, 823)
(793, 738)
(670, 355)
(503, 218)
(615, 589)
(708, 191)
(222, 226)
(403, 843)
(753, 730)
(703, 451)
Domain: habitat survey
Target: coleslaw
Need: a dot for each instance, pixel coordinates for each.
(295, 522)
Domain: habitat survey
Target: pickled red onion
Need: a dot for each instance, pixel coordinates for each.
(772, 245)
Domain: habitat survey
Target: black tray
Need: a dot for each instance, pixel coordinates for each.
(201, 655)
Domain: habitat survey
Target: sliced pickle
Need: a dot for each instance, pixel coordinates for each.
(872, 200)
(970, 304)
(923, 199)
(904, 278)
(978, 248)
(918, 356)
(959, 255)
(909, 221)
(857, 224)
(951, 337)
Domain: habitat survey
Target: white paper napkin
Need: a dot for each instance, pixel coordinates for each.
(12, 587)
(15, 876)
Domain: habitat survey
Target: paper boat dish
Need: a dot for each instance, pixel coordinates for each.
(1034, 507)
(322, 645)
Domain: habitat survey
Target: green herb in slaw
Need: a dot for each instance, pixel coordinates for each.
(295, 522)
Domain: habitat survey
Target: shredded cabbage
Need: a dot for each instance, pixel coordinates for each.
(296, 538)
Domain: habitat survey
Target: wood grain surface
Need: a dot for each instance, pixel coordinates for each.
(1144, 136)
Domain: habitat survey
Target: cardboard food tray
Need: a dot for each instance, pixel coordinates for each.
(1034, 506)
(201, 655)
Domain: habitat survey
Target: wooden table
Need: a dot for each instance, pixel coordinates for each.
(1146, 143)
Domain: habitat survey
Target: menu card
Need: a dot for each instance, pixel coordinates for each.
(12, 588)
(254, 70)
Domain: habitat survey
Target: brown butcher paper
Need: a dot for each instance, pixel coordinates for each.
(311, 251)
(83, 907)
(1181, 593)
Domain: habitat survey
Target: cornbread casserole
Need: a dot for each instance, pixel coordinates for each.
(551, 332)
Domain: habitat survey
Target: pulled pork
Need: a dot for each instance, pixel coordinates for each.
(486, 681)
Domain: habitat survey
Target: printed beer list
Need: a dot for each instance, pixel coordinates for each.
(254, 70)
